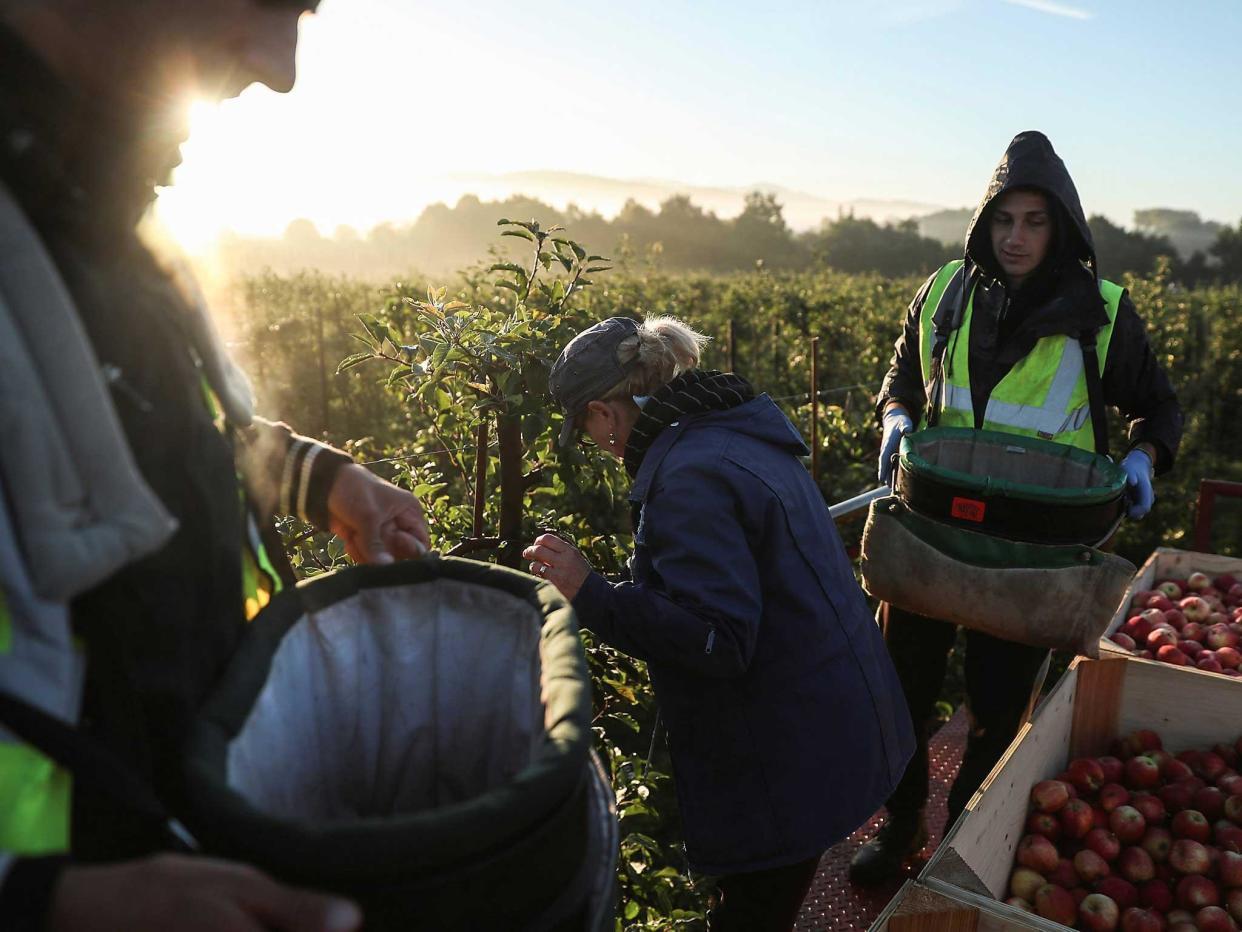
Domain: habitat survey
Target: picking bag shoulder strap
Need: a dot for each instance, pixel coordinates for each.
(947, 319)
(1095, 389)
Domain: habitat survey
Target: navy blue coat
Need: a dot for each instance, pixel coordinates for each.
(786, 723)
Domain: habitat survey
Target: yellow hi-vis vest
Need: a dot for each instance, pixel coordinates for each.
(1045, 393)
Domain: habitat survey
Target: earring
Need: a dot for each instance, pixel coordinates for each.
(612, 440)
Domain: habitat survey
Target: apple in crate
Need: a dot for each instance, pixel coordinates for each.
(1195, 608)
(1077, 819)
(1038, 853)
(1142, 772)
(1024, 882)
(1103, 842)
(1233, 903)
(1055, 904)
(1135, 865)
(1123, 640)
(1113, 795)
(1135, 919)
(1155, 894)
(1098, 913)
(1192, 824)
(1050, 795)
(1214, 919)
(1198, 581)
(1229, 869)
(1195, 891)
(1157, 841)
(1119, 890)
(1189, 857)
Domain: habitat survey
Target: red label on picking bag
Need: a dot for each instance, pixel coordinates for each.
(968, 509)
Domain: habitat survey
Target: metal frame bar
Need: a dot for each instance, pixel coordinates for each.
(1209, 491)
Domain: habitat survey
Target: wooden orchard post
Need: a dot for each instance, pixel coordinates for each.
(815, 408)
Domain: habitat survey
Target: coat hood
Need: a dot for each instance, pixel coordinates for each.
(1031, 162)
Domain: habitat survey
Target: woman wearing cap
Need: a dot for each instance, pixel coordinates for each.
(785, 720)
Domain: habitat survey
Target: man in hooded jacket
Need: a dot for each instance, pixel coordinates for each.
(1031, 294)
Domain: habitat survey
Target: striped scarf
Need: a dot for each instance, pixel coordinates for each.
(691, 392)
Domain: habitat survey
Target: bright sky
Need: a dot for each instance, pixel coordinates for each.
(904, 99)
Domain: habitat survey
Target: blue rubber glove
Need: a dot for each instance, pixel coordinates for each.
(1138, 468)
(895, 424)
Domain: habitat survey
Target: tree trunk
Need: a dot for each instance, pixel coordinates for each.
(512, 486)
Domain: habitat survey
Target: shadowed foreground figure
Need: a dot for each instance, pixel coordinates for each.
(136, 486)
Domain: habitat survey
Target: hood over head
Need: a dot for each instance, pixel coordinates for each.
(1031, 162)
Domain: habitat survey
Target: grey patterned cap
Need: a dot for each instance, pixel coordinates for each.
(589, 367)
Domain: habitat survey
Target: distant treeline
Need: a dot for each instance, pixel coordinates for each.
(680, 236)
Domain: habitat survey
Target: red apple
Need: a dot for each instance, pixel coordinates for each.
(1230, 784)
(1194, 608)
(1228, 837)
(1154, 617)
(1220, 635)
(1229, 657)
(1123, 640)
(1209, 665)
(1155, 894)
(1188, 856)
(1192, 649)
(1157, 841)
(1150, 806)
(1176, 796)
(1196, 891)
(1076, 819)
(1113, 769)
(1211, 766)
(1229, 869)
(1119, 890)
(1198, 581)
(1161, 637)
(1233, 595)
(1135, 865)
(1098, 913)
(1038, 853)
(1064, 876)
(1175, 770)
(1142, 772)
(1170, 654)
(1050, 795)
(1104, 843)
(1161, 603)
(1194, 631)
(1019, 903)
(1191, 823)
(1210, 801)
(1233, 809)
(1179, 915)
(1226, 752)
(1214, 919)
(1055, 904)
(1023, 882)
(1099, 818)
(1113, 795)
(1233, 904)
(1224, 582)
(1085, 775)
(1044, 823)
(1141, 920)
(1127, 824)
(1090, 867)
(1175, 617)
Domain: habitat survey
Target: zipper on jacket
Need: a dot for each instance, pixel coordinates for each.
(711, 641)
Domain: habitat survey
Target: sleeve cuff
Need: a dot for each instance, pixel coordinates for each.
(306, 479)
(591, 601)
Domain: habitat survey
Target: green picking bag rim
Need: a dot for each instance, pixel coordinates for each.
(913, 461)
(413, 849)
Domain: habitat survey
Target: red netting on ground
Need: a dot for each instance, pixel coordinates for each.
(835, 903)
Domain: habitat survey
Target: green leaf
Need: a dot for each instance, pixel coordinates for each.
(631, 909)
(352, 360)
(512, 286)
(578, 250)
(508, 267)
(598, 268)
(524, 234)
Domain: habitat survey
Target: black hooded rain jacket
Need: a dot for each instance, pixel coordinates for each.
(1061, 297)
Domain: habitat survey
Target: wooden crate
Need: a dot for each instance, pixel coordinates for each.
(918, 908)
(1095, 702)
(1167, 563)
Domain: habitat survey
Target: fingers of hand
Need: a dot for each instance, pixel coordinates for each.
(291, 909)
(553, 543)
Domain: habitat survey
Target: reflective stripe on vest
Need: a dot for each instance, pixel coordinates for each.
(260, 581)
(34, 802)
(1043, 395)
(40, 665)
